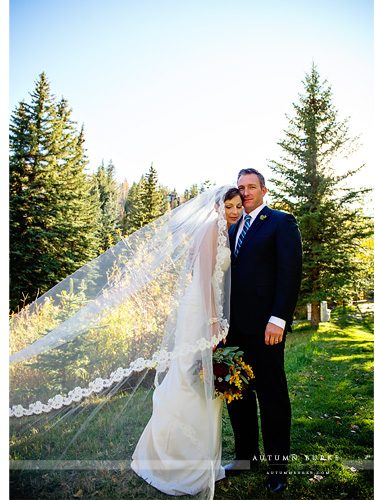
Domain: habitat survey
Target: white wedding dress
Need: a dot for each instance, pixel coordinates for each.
(179, 451)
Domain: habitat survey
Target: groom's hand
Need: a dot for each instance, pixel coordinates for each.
(274, 334)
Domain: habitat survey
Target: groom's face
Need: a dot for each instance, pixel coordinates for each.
(249, 186)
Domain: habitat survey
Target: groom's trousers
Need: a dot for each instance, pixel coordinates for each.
(268, 389)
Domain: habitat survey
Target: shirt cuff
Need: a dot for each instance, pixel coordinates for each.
(277, 321)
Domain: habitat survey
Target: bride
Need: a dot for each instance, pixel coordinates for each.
(179, 451)
(157, 302)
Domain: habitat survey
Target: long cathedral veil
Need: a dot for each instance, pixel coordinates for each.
(85, 355)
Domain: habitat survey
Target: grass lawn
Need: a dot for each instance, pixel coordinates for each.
(330, 375)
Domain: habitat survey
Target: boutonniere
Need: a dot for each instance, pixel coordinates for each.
(262, 217)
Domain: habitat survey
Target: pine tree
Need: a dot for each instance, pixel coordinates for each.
(190, 193)
(19, 209)
(133, 217)
(329, 213)
(53, 215)
(107, 190)
(193, 191)
(123, 189)
(153, 202)
(75, 210)
(146, 202)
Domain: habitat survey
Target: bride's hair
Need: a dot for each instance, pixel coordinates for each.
(231, 193)
(228, 195)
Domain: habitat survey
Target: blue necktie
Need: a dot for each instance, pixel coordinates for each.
(243, 234)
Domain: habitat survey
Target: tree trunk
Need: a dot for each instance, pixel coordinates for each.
(315, 314)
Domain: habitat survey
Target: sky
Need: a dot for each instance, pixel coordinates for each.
(199, 89)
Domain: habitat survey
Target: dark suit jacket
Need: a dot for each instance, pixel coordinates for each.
(266, 274)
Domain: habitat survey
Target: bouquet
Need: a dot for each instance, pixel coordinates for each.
(231, 373)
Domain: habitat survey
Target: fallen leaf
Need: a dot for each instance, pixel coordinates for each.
(226, 487)
(79, 494)
(355, 427)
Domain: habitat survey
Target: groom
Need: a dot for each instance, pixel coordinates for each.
(266, 275)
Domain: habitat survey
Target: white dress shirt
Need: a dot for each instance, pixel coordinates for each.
(273, 319)
(253, 214)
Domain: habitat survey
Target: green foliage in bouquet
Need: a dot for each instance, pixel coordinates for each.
(231, 373)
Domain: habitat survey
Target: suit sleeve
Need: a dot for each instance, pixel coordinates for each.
(289, 268)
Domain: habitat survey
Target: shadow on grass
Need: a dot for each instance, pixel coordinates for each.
(330, 376)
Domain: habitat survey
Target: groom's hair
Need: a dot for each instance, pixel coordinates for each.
(245, 171)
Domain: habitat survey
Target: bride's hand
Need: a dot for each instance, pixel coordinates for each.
(219, 344)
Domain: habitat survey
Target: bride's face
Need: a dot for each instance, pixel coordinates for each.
(233, 209)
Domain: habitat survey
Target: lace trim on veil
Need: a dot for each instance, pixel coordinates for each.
(160, 359)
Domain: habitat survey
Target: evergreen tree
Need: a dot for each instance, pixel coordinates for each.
(133, 218)
(107, 190)
(146, 202)
(53, 215)
(19, 210)
(365, 286)
(329, 213)
(193, 191)
(153, 202)
(190, 193)
(122, 197)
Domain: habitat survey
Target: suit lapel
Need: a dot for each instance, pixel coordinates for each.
(261, 219)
